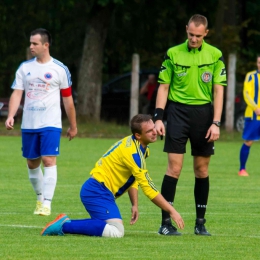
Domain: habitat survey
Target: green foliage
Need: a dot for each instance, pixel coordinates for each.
(18, 20)
(232, 215)
(106, 2)
(147, 27)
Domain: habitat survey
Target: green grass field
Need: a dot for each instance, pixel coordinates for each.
(232, 215)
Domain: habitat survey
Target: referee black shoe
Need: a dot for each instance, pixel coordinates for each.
(168, 230)
(200, 228)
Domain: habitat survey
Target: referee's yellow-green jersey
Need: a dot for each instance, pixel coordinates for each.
(123, 166)
(252, 94)
(192, 73)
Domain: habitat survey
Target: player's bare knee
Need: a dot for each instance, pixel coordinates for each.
(113, 229)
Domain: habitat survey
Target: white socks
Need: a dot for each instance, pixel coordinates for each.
(44, 185)
(49, 184)
(36, 179)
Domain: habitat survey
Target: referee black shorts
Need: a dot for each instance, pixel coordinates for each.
(188, 122)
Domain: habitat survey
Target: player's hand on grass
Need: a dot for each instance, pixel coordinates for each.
(135, 215)
(9, 123)
(176, 217)
(160, 201)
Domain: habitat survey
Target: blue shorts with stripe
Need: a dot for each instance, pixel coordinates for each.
(251, 130)
(98, 200)
(41, 143)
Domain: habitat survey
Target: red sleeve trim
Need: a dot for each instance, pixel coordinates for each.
(66, 92)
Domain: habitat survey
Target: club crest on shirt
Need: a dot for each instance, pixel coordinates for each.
(48, 75)
(206, 77)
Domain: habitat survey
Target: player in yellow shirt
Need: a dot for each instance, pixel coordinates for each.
(251, 130)
(121, 169)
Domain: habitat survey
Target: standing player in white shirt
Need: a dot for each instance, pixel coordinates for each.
(43, 79)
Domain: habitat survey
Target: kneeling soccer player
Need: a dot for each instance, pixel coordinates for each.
(121, 169)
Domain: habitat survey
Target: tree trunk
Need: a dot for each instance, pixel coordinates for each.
(230, 96)
(230, 18)
(219, 22)
(134, 100)
(90, 72)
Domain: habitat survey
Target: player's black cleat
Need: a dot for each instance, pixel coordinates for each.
(168, 230)
(200, 228)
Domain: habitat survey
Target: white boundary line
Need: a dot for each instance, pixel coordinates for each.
(19, 226)
(140, 213)
(133, 232)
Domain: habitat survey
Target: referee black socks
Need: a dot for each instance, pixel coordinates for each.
(168, 192)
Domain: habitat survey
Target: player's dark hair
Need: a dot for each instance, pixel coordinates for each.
(199, 19)
(136, 121)
(45, 35)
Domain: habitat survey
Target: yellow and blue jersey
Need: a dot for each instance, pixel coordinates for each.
(123, 166)
(251, 94)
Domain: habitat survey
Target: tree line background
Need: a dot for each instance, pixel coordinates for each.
(96, 38)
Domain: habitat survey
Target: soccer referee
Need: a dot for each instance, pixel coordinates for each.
(192, 76)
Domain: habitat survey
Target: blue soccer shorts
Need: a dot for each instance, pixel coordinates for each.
(251, 130)
(99, 200)
(42, 143)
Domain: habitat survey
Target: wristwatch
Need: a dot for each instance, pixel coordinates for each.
(217, 123)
